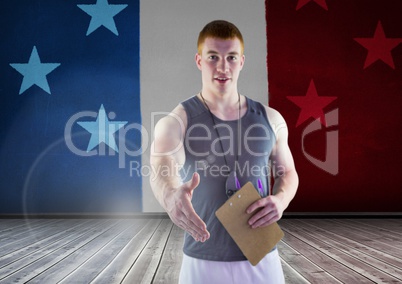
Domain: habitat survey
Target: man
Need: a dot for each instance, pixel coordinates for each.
(208, 147)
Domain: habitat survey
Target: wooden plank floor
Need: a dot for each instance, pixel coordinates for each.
(149, 250)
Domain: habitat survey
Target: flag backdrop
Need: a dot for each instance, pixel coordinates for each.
(72, 108)
(70, 104)
(335, 73)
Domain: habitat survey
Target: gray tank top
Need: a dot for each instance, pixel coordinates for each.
(204, 154)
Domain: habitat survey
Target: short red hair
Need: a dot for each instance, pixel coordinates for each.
(219, 29)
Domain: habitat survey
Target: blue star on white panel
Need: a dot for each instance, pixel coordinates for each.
(34, 72)
(102, 130)
(102, 14)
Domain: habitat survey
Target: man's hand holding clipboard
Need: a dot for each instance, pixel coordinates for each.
(254, 243)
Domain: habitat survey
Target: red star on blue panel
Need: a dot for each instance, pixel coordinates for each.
(311, 105)
(322, 3)
(379, 47)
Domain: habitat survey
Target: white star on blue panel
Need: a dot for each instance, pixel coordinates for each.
(102, 130)
(102, 14)
(34, 72)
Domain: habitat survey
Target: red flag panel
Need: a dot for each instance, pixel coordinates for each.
(335, 74)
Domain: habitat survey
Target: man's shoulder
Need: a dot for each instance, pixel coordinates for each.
(276, 120)
(269, 110)
(179, 112)
(273, 113)
(173, 122)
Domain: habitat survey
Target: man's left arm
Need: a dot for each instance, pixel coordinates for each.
(270, 209)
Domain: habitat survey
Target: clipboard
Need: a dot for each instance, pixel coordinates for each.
(254, 243)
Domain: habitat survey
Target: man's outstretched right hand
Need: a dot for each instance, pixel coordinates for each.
(181, 212)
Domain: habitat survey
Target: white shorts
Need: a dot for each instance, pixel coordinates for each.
(268, 270)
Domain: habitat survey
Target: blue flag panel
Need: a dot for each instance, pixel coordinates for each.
(70, 107)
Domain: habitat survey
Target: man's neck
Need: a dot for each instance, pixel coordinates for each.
(226, 100)
(225, 106)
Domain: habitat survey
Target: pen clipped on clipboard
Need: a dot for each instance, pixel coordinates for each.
(254, 243)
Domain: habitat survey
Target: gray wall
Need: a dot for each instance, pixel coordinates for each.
(169, 31)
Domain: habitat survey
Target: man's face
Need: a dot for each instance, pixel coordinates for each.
(220, 63)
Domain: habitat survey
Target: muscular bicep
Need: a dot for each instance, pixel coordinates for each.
(281, 155)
